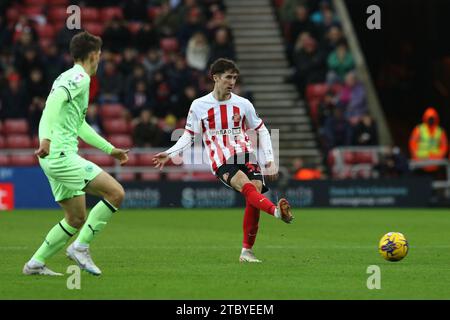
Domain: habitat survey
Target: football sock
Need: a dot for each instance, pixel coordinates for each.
(96, 221)
(250, 226)
(54, 241)
(257, 200)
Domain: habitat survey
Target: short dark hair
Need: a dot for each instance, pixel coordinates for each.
(222, 65)
(82, 44)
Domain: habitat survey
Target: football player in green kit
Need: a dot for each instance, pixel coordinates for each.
(70, 176)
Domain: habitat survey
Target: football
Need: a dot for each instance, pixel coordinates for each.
(393, 246)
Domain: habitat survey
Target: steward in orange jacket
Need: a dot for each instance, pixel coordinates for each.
(428, 140)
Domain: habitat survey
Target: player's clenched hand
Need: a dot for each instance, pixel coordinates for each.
(271, 171)
(160, 159)
(121, 155)
(44, 148)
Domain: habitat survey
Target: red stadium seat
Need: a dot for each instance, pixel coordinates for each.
(364, 157)
(12, 15)
(144, 160)
(58, 14)
(111, 111)
(89, 14)
(18, 141)
(153, 12)
(176, 176)
(93, 27)
(203, 176)
(45, 31)
(279, 3)
(4, 160)
(349, 157)
(35, 2)
(15, 126)
(150, 176)
(35, 142)
(116, 126)
(102, 160)
(32, 11)
(109, 13)
(132, 160)
(134, 27)
(58, 2)
(169, 44)
(317, 90)
(23, 160)
(2, 142)
(84, 145)
(121, 141)
(126, 176)
(314, 109)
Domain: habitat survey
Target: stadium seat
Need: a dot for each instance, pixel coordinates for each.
(349, 157)
(58, 2)
(15, 126)
(32, 11)
(364, 157)
(23, 160)
(144, 160)
(45, 31)
(116, 126)
(169, 44)
(150, 176)
(102, 160)
(93, 27)
(35, 2)
(279, 3)
(176, 176)
(132, 160)
(316, 91)
(35, 142)
(12, 15)
(121, 141)
(314, 109)
(111, 111)
(90, 14)
(4, 160)
(126, 176)
(108, 13)
(153, 12)
(203, 176)
(84, 145)
(134, 27)
(57, 14)
(18, 141)
(2, 142)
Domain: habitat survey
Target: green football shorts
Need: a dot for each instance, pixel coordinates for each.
(68, 175)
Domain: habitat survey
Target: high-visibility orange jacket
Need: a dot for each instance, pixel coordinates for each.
(428, 141)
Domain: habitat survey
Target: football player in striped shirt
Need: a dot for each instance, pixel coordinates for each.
(224, 119)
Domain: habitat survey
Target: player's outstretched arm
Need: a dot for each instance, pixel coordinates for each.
(90, 136)
(160, 159)
(185, 141)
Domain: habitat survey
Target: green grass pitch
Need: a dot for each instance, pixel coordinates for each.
(193, 254)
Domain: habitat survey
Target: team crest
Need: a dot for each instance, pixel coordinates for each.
(236, 117)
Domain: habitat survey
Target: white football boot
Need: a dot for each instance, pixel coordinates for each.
(247, 255)
(39, 270)
(83, 258)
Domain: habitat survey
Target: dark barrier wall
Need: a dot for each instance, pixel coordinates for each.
(29, 188)
(351, 193)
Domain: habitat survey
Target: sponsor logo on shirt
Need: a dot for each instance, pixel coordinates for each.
(228, 132)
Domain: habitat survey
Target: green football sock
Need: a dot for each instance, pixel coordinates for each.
(96, 221)
(54, 241)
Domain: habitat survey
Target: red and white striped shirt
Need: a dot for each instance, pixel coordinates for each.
(223, 125)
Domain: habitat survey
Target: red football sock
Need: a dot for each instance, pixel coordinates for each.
(256, 199)
(251, 219)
